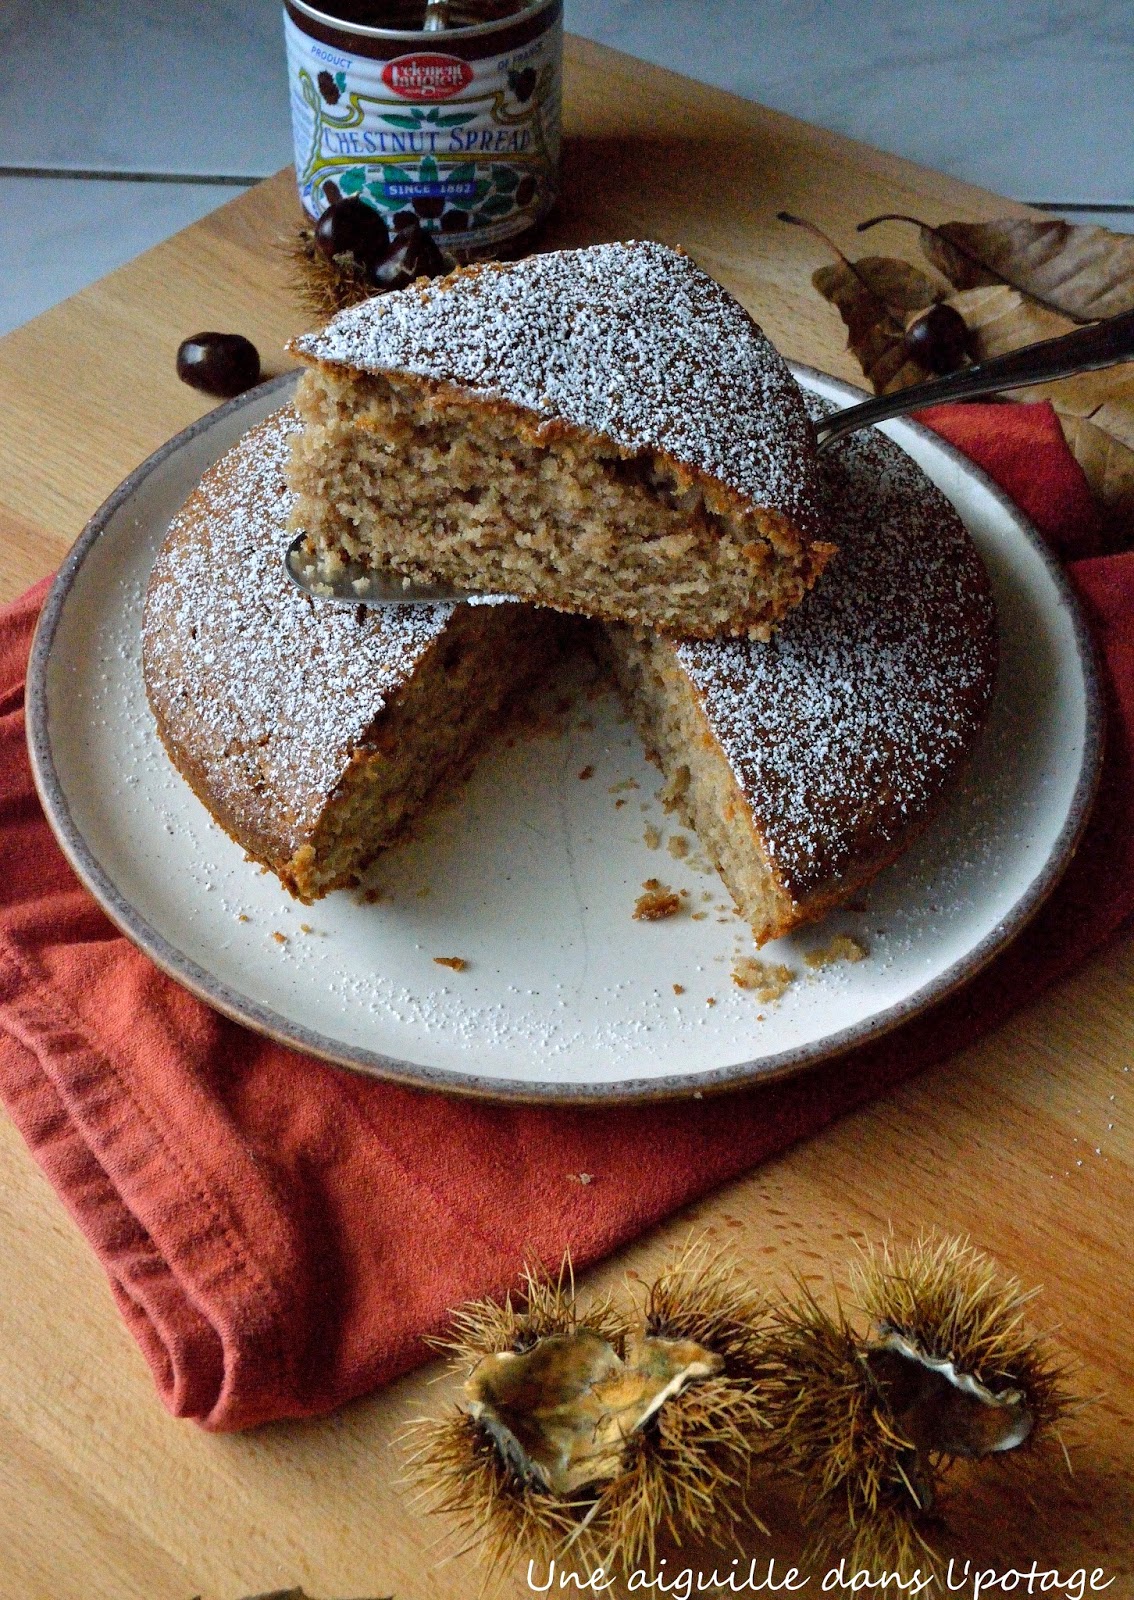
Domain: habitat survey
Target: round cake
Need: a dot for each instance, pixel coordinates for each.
(315, 732)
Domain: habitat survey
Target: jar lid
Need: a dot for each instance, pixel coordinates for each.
(468, 30)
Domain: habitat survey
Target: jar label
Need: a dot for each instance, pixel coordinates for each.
(471, 148)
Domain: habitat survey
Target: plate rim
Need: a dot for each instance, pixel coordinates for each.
(215, 992)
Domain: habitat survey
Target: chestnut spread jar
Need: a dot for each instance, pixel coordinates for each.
(458, 127)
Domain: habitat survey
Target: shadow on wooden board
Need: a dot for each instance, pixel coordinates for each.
(611, 189)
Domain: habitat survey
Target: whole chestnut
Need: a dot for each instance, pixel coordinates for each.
(218, 363)
(412, 255)
(939, 339)
(351, 227)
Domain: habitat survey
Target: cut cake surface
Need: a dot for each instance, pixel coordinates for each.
(806, 764)
(602, 430)
(313, 732)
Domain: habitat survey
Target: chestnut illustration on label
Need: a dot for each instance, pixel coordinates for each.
(329, 88)
(522, 84)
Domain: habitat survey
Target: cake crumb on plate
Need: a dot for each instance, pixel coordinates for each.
(765, 980)
(655, 905)
(658, 902)
(843, 947)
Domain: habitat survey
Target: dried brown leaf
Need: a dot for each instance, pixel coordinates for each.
(1080, 272)
(1096, 409)
(1109, 466)
(1001, 319)
(876, 297)
(1083, 272)
(1020, 281)
(1116, 414)
(293, 1594)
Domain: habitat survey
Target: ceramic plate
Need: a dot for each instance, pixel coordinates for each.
(530, 874)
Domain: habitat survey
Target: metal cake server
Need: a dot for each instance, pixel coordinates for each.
(367, 587)
(1101, 344)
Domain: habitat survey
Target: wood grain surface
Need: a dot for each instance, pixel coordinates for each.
(1023, 1142)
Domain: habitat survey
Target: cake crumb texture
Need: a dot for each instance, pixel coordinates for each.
(807, 763)
(656, 903)
(632, 341)
(312, 731)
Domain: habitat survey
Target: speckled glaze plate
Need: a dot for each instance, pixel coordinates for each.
(530, 875)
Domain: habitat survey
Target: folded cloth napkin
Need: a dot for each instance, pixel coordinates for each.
(279, 1234)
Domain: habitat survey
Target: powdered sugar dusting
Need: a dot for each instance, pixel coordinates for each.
(632, 341)
(268, 689)
(845, 728)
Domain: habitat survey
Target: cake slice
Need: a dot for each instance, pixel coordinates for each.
(314, 733)
(808, 763)
(603, 431)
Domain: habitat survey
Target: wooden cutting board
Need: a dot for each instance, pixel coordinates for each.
(1024, 1143)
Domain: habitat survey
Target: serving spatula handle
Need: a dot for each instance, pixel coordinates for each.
(1102, 344)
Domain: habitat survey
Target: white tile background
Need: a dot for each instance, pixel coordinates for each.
(1033, 98)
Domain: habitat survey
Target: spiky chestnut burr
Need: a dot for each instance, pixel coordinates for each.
(324, 285)
(869, 1417)
(600, 1427)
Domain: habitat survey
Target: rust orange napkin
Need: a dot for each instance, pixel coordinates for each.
(279, 1234)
